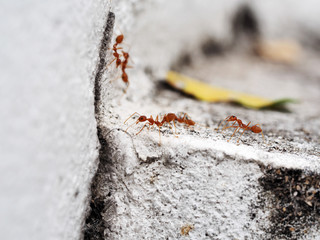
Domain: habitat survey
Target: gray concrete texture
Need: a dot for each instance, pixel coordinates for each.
(69, 169)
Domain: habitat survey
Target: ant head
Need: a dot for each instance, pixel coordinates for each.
(231, 118)
(119, 39)
(256, 129)
(142, 119)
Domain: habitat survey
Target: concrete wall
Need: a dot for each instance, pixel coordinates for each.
(48, 130)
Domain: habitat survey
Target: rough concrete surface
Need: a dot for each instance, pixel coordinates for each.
(220, 189)
(69, 169)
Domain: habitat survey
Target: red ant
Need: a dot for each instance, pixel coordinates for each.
(171, 117)
(167, 118)
(115, 48)
(255, 129)
(119, 62)
(149, 120)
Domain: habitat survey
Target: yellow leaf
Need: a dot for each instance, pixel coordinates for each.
(205, 92)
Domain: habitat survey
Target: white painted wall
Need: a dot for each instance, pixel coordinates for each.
(48, 131)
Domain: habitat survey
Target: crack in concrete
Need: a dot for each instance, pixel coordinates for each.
(107, 34)
(101, 207)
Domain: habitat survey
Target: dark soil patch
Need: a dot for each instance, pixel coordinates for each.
(293, 198)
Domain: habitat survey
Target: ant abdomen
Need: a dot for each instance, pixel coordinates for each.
(256, 129)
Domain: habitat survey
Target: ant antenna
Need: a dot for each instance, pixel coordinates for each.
(131, 116)
(136, 122)
(132, 125)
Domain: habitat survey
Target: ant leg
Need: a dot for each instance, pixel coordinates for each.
(172, 130)
(131, 125)
(184, 117)
(111, 62)
(159, 137)
(170, 126)
(124, 91)
(235, 131)
(263, 137)
(115, 58)
(226, 127)
(141, 129)
(114, 79)
(262, 134)
(245, 129)
(175, 128)
(231, 126)
(116, 48)
(131, 116)
(222, 122)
